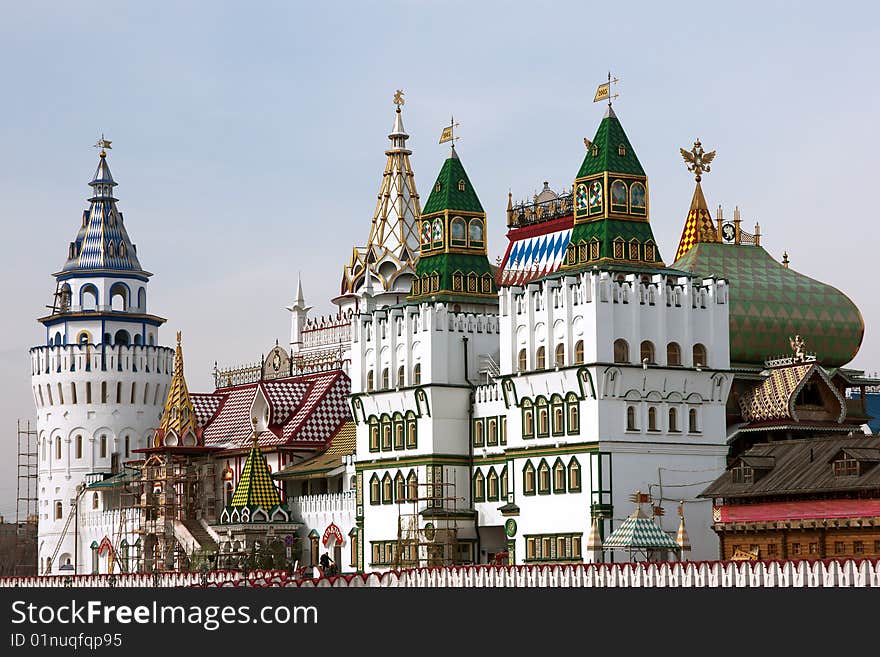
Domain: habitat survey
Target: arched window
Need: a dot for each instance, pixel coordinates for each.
(58, 448)
(374, 434)
(492, 485)
(387, 490)
(540, 359)
(457, 232)
(94, 500)
(693, 427)
(559, 477)
(543, 417)
(412, 486)
(400, 375)
(121, 337)
(646, 352)
(417, 374)
(574, 421)
(673, 354)
(558, 409)
(652, 419)
(119, 297)
(543, 477)
(621, 351)
(399, 487)
(386, 433)
(528, 422)
(398, 432)
(142, 299)
(618, 196)
(631, 419)
(479, 487)
(521, 361)
(103, 446)
(370, 381)
(411, 439)
(504, 483)
(475, 233)
(88, 297)
(375, 490)
(574, 476)
(579, 352)
(426, 233)
(128, 446)
(386, 381)
(560, 355)
(699, 355)
(528, 479)
(673, 420)
(637, 198)
(58, 511)
(78, 443)
(437, 233)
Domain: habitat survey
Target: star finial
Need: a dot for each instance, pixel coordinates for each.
(102, 144)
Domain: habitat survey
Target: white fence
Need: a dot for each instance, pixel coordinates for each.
(706, 574)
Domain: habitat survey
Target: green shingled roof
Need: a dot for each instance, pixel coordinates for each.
(449, 197)
(770, 303)
(607, 230)
(446, 264)
(609, 137)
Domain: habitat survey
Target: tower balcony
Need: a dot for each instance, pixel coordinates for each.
(59, 359)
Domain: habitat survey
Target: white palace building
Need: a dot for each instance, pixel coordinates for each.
(451, 411)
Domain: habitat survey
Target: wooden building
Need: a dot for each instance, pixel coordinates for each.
(812, 498)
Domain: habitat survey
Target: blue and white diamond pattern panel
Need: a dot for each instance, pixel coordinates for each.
(532, 257)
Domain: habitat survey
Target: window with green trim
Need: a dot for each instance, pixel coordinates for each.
(492, 485)
(543, 478)
(558, 410)
(502, 430)
(529, 479)
(398, 432)
(411, 437)
(383, 552)
(574, 417)
(574, 476)
(492, 431)
(543, 417)
(559, 476)
(386, 433)
(565, 547)
(528, 419)
(399, 487)
(504, 485)
(375, 490)
(412, 486)
(478, 432)
(479, 487)
(387, 490)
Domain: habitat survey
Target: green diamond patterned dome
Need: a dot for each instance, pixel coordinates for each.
(770, 303)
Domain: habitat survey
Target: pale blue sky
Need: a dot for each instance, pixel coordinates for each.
(248, 139)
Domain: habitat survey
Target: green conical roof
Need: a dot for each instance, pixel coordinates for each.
(609, 137)
(256, 488)
(769, 303)
(449, 197)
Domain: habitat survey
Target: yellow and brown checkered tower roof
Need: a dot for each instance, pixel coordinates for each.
(178, 416)
(256, 488)
(698, 226)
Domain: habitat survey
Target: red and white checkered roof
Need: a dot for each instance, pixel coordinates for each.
(304, 410)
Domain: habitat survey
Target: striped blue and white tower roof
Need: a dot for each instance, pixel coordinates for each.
(102, 243)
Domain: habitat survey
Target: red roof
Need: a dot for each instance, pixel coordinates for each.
(305, 410)
(798, 510)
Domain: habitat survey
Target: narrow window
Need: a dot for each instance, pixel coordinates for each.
(479, 492)
(574, 476)
(492, 486)
(631, 419)
(375, 494)
(400, 372)
(692, 421)
(673, 354)
(399, 487)
(529, 479)
(133, 393)
(72, 392)
(103, 392)
(504, 488)
(417, 374)
(88, 392)
(60, 394)
(521, 361)
(540, 360)
(579, 352)
(127, 446)
(699, 355)
(78, 441)
(103, 446)
(652, 419)
(94, 500)
(647, 352)
(478, 432)
(146, 392)
(559, 477)
(673, 420)
(621, 351)
(58, 511)
(560, 355)
(543, 477)
(119, 392)
(370, 381)
(386, 381)
(574, 423)
(58, 448)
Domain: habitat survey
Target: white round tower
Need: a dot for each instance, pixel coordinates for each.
(99, 385)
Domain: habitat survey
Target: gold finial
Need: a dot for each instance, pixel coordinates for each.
(681, 508)
(785, 259)
(697, 159)
(102, 144)
(398, 98)
(178, 338)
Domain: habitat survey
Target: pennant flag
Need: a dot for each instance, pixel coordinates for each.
(602, 92)
(446, 135)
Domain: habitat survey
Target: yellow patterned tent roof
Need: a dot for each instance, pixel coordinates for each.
(256, 488)
(698, 226)
(774, 398)
(342, 444)
(178, 425)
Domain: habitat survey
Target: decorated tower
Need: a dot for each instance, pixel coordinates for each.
(99, 380)
(453, 266)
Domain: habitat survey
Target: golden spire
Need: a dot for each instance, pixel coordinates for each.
(178, 426)
(682, 538)
(698, 226)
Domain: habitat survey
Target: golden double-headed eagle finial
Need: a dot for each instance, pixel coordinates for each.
(697, 160)
(398, 97)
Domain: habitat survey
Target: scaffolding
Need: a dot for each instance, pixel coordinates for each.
(175, 490)
(427, 523)
(26, 500)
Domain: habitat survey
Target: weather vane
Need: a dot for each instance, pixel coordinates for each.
(102, 144)
(604, 90)
(448, 132)
(398, 98)
(697, 159)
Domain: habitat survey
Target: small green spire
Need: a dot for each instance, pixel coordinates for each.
(453, 189)
(610, 151)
